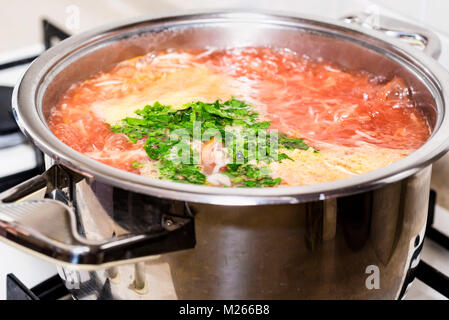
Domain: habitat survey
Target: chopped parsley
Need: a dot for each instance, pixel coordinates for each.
(136, 164)
(248, 175)
(292, 143)
(168, 133)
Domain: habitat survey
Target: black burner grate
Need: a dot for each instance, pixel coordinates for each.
(426, 273)
(51, 289)
(10, 134)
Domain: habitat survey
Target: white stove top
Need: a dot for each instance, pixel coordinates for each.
(31, 270)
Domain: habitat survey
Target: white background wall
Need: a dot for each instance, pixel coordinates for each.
(20, 19)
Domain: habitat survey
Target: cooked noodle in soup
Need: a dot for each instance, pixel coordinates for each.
(241, 117)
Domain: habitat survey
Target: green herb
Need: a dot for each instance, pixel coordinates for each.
(182, 173)
(164, 129)
(247, 175)
(136, 164)
(292, 143)
(283, 156)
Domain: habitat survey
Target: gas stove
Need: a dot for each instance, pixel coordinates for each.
(25, 277)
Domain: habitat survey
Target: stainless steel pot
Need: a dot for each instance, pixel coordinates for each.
(142, 238)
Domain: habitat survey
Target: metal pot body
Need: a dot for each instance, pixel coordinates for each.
(354, 238)
(363, 246)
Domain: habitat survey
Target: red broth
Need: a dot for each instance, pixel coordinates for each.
(306, 98)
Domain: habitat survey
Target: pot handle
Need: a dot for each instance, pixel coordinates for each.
(48, 228)
(409, 33)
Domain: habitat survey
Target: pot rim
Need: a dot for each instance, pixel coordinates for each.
(27, 93)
